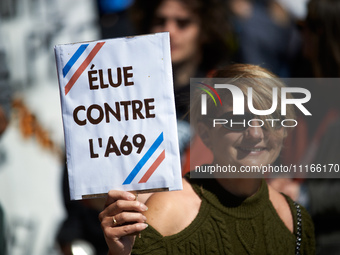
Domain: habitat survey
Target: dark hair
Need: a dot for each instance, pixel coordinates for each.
(216, 36)
(323, 19)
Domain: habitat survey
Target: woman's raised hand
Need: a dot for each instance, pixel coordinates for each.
(121, 220)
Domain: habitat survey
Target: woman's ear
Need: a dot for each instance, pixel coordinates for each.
(204, 133)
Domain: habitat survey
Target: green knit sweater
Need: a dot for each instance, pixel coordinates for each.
(227, 224)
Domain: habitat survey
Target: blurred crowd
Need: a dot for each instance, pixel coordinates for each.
(292, 39)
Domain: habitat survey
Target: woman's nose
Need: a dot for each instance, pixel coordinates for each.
(170, 26)
(255, 131)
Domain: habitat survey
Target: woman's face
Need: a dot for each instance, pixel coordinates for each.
(174, 17)
(254, 146)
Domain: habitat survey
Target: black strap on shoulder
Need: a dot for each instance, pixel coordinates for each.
(298, 228)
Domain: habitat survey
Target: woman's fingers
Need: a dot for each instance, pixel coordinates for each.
(129, 217)
(115, 195)
(122, 206)
(122, 215)
(120, 201)
(119, 229)
(116, 233)
(123, 219)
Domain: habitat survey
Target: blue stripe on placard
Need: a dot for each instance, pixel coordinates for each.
(74, 58)
(144, 159)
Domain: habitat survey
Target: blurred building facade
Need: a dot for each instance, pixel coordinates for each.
(31, 162)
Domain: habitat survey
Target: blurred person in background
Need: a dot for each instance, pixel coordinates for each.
(266, 34)
(114, 18)
(322, 36)
(318, 141)
(200, 37)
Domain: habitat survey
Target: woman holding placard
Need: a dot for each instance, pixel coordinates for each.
(219, 215)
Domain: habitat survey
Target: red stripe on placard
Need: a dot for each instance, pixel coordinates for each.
(153, 167)
(83, 66)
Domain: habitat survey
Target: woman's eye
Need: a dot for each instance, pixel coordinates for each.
(183, 23)
(158, 21)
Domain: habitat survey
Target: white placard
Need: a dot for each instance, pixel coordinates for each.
(119, 115)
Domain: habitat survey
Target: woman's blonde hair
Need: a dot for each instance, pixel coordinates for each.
(243, 76)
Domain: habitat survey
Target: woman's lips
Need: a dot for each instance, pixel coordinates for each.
(251, 149)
